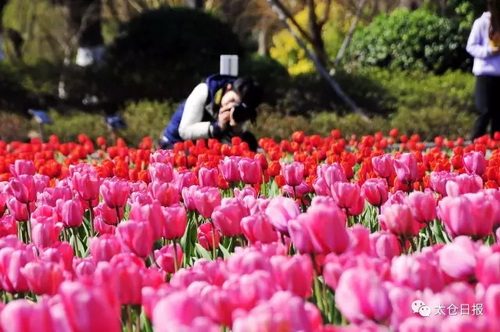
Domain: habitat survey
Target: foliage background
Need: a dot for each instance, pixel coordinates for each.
(425, 87)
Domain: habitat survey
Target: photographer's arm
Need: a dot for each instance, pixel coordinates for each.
(191, 126)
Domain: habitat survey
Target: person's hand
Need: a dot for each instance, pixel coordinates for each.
(224, 118)
(495, 50)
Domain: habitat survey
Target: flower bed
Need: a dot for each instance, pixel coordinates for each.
(312, 234)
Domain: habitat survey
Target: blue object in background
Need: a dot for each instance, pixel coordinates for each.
(116, 122)
(40, 116)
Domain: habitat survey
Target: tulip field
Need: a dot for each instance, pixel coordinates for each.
(372, 233)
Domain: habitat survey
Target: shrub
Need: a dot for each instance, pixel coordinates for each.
(163, 53)
(406, 39)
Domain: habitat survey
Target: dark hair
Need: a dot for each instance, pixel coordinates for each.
(494, 9)
(250, 92)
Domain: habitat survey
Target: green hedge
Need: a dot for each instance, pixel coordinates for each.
(416, 40)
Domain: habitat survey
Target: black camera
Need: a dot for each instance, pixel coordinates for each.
(243, 113)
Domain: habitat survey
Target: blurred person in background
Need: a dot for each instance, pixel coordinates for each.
(484, 46)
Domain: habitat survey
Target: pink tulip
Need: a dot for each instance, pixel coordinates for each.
(417, 324)
(208, 177)
(183, 179)
(418, 271)
(359, 240)
(115, 192)
(86, 184)
(102, 227)
(250, 171)
(361, 296)
(45, 233)
(49, 196)
(8, 225)
(25, 316)
(162, 156)
(438, 181)
(162, 172)
(181, 312)
(229, 169)
(280, 211)
(348, 197)
(227, 217)
(152, 214)
(72, 213)
(283, 312)
(294, 274)
(398, 219)
(109, 215)
(258, 227)
(79, 305)
(296, 192)
(22, 166)
(474, 162)
(165, 193)
(458, 259)
(206, 199)
(466, 324)
(3, 202)
(492, 303)
(385, 245)
(128, 278)
(322, 229)
(327, 176)
(406, 167)
(136, 237)
(23, 188)
(463, 184)
(175, 222)
(383, 165)
(375, 191)
(218, 304)
(488, 267)
(104, 247)
(84, 268)
(18, 209)
(205, 237)
(11, 262)
(43, 277)
(152, 295)
(293, 173)
(469, 214)
(246, 191)
(188, 197)
(41, 182)
(422, 205)
(165, 256)
(60, 253)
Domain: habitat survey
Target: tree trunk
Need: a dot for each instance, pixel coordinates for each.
(316, 38)
(263, 37)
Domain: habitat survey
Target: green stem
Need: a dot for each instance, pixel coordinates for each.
(28, 240)
(91, 217)
(176, 267)
(214, 250)
(429, 233)
(129, 318)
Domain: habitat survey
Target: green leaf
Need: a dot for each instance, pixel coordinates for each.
(202, 251)
(225, 252)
